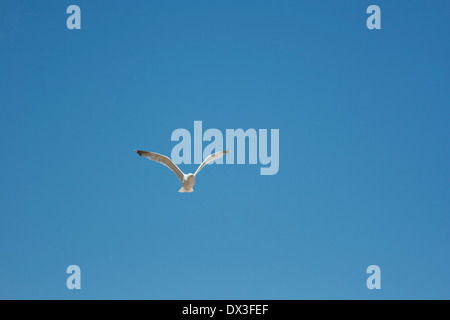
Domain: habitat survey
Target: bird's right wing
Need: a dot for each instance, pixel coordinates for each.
(211, 158)
(163, 160)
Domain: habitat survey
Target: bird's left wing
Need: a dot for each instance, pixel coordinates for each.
(211, 158)
(163, 160)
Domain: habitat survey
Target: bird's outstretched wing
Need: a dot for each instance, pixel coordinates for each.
(211, 158)
(163, 160)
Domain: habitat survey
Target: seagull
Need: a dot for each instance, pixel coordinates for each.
(187, 180)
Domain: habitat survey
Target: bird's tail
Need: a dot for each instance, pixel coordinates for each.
(184, 190)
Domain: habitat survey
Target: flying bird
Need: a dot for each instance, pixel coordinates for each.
(187, 180)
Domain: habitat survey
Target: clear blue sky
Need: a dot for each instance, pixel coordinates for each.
(364, 149)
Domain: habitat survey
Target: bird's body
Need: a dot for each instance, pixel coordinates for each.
(187, 183)
(187, 180)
